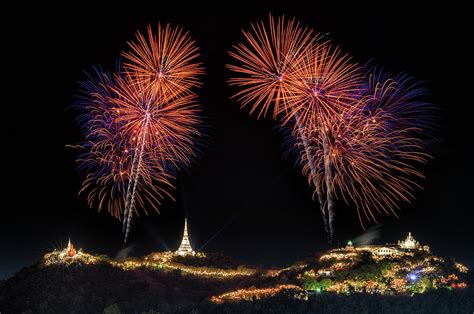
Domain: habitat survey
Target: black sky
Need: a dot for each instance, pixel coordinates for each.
(241, 183)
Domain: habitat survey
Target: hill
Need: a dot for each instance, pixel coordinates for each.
(345, 280)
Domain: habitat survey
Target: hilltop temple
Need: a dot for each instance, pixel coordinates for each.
(406, 246)
(185, 247)
(409, 243)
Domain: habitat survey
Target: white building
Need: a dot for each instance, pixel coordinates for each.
(326, 272)
(185, 247)
(386, 251)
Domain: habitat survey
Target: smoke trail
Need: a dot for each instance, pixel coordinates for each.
(309, 158)
(124, 253)
(132, 198)
(369, 236)
(127, 198)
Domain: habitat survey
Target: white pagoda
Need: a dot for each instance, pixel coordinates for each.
(185, 247)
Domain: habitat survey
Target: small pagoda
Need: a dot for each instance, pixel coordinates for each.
(70, 251)
(185, 247)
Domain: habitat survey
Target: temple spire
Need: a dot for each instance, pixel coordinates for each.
(185, 247)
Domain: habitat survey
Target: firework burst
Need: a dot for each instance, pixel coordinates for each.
(267, 62)
(107, 153)
(165, 61)
(290, 68)
(358, 139)
(325, 83)
(140, 124)
(369, 154)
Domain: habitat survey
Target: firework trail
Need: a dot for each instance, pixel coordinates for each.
(135, 175)
(141, 124)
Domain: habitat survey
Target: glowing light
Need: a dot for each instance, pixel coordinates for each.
(461, 267)
(253, 293)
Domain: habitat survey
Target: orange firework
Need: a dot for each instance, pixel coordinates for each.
(358, 139)
(166, 61)
(141, 124)
(324, 84)
(165, 125)
(290, 68)
(267, 62)
(160, 128)
(107, 154)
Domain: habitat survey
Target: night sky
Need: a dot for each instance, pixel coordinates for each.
(258, 203)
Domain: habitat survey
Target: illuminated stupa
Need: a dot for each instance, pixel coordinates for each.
(185, 247)
(70, 249)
